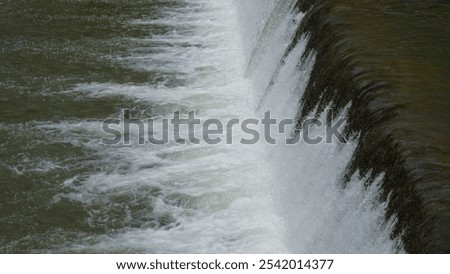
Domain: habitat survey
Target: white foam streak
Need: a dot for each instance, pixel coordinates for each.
(215, 199)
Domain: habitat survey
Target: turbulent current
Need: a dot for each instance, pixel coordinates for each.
(68, 67)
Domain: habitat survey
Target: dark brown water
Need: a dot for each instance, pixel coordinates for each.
(391, 60)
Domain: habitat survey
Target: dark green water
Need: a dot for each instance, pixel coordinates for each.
(46, 49)
(405, 43)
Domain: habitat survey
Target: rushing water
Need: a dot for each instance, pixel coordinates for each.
(67, 66)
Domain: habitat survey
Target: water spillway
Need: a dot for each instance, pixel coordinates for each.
(382, 188)
(369, 56)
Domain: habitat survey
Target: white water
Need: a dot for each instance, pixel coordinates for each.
(226, 198)
(217, 198)
(320, 216)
